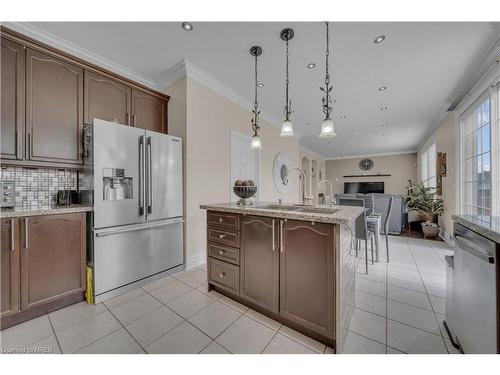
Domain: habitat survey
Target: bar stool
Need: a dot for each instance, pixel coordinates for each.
(361, 231)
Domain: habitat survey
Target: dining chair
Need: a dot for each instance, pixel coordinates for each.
(361, 231)
(385, 203)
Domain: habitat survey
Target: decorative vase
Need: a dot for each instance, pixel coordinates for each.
(431, 230)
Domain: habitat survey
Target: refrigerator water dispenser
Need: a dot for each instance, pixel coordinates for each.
(116, 184)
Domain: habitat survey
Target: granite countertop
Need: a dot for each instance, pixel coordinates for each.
(345, 215)
(487, 226)
(9, 213)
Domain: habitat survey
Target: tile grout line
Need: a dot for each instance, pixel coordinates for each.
(126, 330)
(434, 313)
(55, 335)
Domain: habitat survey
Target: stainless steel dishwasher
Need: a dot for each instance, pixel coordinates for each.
(475, 323)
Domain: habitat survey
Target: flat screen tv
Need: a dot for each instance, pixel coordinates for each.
(363, 187)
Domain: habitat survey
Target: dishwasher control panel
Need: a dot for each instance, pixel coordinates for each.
(8, 193)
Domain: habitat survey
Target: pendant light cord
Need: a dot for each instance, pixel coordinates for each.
(255, 126)
(326, 100)
(288, 105)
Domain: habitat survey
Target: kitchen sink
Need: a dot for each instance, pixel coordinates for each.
(313, 210)
(279, 207)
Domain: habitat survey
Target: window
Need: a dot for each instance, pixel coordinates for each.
(475, 159)
(428, 166)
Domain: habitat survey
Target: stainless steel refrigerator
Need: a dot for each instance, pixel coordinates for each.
(133, 178)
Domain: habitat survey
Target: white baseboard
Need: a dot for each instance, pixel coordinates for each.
(195, 260)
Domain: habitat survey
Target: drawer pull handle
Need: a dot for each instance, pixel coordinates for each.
(220, 220)
(221, 252)
(221, 275)
(222, 235)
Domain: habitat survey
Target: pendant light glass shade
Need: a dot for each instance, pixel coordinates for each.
(327, 129)
(256, 143)
(286, 129)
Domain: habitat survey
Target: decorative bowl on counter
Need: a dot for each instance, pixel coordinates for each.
(244, 192)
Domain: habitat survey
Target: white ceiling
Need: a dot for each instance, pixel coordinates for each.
(420, 63)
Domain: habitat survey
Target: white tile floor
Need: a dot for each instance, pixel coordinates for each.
(399, 309)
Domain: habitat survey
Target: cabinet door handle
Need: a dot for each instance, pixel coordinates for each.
(282, 245)
(222, 235)
(221, 252)
(128, 118)
(29, 146)
(220, 220)
(26, 235)
(222, 274)
(274, 241)
(12, 235)
(133, 120)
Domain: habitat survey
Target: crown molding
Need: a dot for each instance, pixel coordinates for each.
(373, 155)
(62, 44)
(433, 125)
(184, 68)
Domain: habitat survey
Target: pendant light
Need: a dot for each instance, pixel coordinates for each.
(256, 143)
(327, 127)
(287, 127)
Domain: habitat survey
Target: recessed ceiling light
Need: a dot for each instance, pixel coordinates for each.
(343, 117)
(379, 39)
(383, 88)
(383, 108)
(384, 135)
(384, 125)
(187, 26)
(260, 84)
(351, 130)
(311, 66)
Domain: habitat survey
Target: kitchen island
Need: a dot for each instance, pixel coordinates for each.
(292, 263)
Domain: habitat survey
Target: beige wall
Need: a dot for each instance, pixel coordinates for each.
(209, 120)
(444, 137)
(400, 167)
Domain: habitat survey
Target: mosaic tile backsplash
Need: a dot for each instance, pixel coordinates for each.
(37, 188)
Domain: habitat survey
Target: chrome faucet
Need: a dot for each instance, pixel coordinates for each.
(302, 178)
(327, 182)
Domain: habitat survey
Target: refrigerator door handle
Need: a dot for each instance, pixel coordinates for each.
(150, 176)
(131, 228)
(141, 175)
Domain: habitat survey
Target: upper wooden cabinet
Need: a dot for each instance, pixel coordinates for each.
(54, 111)
(107, 99)
(10, 267)
(149, 111)
(259, 261)
(12, 93)
(48, 95)
(52, 258)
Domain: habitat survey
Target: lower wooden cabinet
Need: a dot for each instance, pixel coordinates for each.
(52, 258)
(10, 267)
(288, 269)
(307, 275)
(259, 261)
(43, 261)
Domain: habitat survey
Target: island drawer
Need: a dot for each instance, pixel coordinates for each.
(223, 220)
(229, 254)
(224, 275)
(223, 236)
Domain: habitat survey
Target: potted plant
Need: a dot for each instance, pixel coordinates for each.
(422, 201)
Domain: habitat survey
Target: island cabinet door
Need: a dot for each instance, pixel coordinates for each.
(259, 261)
(10, 267)
(307, 275)
(52, 258)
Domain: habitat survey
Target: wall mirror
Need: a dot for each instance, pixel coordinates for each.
(280, 171)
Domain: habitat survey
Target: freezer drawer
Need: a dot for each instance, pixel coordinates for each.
(126, 254)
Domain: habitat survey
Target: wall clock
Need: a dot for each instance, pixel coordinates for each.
(366, 164)
(280, 172)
